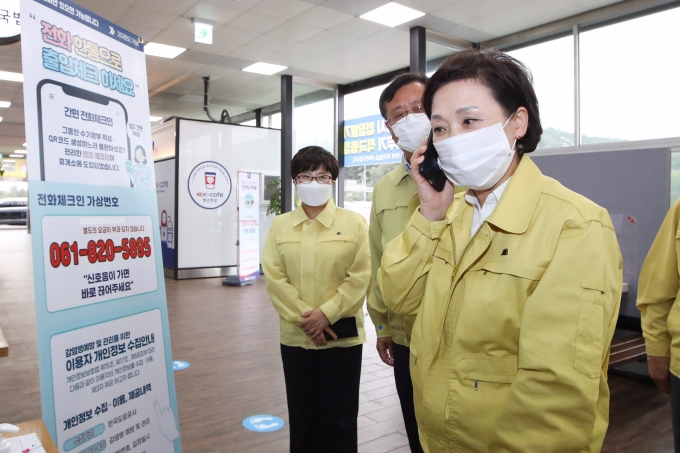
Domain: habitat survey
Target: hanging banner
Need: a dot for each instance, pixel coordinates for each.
(105, 361)
(368, 142)
(249, 225)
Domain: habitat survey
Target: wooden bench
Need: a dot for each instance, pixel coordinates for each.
(627, 349)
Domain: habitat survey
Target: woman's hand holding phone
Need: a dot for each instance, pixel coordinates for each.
(433, 204)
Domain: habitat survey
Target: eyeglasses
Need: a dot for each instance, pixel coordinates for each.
(306, 179)
(418, 108)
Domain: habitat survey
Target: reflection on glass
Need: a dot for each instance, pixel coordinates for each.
(629, 70)
(675, 176)
(552, 66)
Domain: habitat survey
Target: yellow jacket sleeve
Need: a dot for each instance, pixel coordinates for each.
(376, 305)
(285, 297)
(659, 285)
(406, 263)
(567, 326)
(352, 291)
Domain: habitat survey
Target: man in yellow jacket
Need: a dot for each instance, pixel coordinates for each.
(394, 198)
(657, 295)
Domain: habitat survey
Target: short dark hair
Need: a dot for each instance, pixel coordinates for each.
(311, 158)
(509, 81)
(398, 82)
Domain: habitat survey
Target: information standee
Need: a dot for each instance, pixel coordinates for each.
(248, 242)
(105, 362)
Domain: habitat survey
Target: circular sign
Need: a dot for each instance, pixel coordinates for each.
(179, 365)
(10, 23)
(263, 423)
(209, 185)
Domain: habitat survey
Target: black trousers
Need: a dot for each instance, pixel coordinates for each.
(675, 410)
(402, 377)
(322, 388)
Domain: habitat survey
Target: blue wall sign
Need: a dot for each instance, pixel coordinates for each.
(369, 142)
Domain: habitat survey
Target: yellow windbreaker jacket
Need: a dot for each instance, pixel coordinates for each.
(658, 291)
(510, 346)
(394, 198)
(322, 263)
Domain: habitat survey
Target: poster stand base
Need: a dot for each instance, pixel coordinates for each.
(234, 280)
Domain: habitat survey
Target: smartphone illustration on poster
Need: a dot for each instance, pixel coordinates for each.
(83, 136)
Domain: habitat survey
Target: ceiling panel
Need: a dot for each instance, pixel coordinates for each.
(257, 22)
(273, 43)
(282, 8)
(295, 30)
(213, 12)
(465, 11)
(112, 11)
(323, 17)
(164, 6)
(354, 7)
(196, 56)
(251, 53)
(148, 18)
(174, 39)
(217, 48)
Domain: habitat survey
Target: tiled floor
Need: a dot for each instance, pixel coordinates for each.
(230, 337)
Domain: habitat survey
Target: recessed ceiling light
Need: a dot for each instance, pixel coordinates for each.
(264, 68)
(19, 151)
(11, 76)
(153, 119)
(4, 104)
(162, 50)
(20, 156)
(0, 119)
(24, 144)
(392, 14)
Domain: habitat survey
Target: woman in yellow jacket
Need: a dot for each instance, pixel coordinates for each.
(516, 283)
(317, 264)
(657, 299)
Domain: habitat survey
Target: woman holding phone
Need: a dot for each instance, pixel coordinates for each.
(516, 283)
(317, 264)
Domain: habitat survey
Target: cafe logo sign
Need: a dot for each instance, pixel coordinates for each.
(209, 185)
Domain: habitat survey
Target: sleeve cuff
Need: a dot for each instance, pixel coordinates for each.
(331, 311)
(658, 348)
(430, 229)
(383, 330)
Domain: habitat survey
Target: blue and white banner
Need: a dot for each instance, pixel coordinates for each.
(368, 142)
(105, 360)
(248, 225)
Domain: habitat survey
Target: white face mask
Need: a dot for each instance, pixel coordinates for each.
(314, 193)
(478, 159)
(411, 130)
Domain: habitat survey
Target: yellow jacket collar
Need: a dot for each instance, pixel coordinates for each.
(325, 217)
(520, 198)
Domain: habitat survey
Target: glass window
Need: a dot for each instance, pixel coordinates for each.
(675, 175)
(369, 150)
(249, 123)
(629, 79)
(273, 121)
(552, 66)
(315, 124)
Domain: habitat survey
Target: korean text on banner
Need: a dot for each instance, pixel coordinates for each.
(249, 225)
(369, 142)
(105, 359)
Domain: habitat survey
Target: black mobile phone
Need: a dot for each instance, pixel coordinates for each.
(430, 169)
(344, 328)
